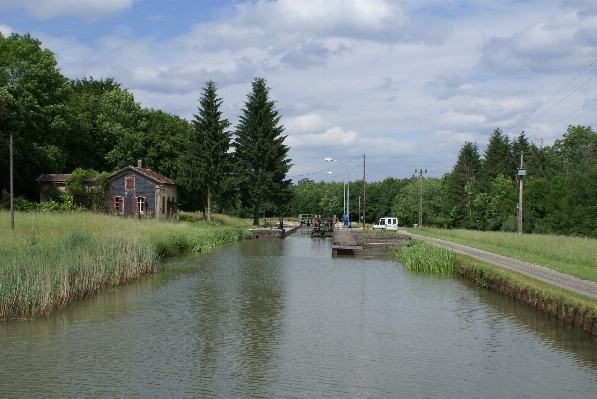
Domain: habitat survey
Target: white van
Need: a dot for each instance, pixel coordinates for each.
(387, 223)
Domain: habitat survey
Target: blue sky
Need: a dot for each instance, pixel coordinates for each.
(404, 82)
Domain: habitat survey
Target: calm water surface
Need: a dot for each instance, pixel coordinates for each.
(284, 319)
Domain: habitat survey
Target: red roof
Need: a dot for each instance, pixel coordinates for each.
(147, 173)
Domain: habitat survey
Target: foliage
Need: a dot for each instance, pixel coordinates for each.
(207, 162)
(421, 256)
(88, 188)
(33, 110)
(260, 154)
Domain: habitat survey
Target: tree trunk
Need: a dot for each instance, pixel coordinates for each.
(256, 214)
(209, 203)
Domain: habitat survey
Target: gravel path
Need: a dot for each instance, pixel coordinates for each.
(566, 281)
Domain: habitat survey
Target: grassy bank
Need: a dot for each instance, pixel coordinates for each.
(575, 256)
(567, 306)
(419, 255)
(52, 258)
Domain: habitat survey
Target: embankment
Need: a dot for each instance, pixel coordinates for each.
(567, 306)
(51, 259)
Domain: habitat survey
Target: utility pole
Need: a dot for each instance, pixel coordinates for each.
(12, 199)
(421, 195)
(364, 193)
(521, 172)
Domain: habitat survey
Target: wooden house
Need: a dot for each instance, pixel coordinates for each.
(139, 192)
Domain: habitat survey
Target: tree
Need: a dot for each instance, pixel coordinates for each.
(260, 154)
(577, 151)
(32, 110)
(88, 188)
(458, 184)
(498, 159)
(88, 143)
(208, 160)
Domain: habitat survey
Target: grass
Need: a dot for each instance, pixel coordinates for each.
(418, 255)
(51, 258)
(575, 256)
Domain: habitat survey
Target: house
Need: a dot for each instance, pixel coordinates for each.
(51, 184)
(139, 192)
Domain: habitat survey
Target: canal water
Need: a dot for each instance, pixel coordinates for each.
(271, 318)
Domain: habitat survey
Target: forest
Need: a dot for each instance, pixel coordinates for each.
(89, 126)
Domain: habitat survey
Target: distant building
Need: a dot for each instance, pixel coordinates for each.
(135, 191)
(50, 184)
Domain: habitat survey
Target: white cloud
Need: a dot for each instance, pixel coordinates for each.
(45, 9)
(6, 30)
(556, 45)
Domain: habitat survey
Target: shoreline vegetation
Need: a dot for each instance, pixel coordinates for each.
(568, 306)
(53, 258)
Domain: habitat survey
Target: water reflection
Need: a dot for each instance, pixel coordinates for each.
(283, 318)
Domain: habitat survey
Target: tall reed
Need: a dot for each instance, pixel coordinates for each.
(418, 255)
(52, 258)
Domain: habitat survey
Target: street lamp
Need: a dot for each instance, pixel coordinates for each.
(345, 193)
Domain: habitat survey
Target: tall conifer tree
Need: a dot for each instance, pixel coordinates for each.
(208, 163)
(466, 169)
(261, 156)
(498, 159)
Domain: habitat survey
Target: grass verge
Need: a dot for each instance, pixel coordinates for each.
(576, 256)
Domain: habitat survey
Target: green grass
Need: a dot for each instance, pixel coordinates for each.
(421, 256)
(51, 258)
(575, 256)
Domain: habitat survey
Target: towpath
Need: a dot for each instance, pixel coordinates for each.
(562, 280)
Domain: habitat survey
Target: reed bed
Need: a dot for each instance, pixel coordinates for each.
(50, 259)
(576, 256)
(421, 256)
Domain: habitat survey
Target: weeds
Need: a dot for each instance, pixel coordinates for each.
(418, 255)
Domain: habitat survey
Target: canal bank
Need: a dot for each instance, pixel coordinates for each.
(562, 296)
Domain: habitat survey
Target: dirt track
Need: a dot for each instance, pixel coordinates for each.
(568, 282)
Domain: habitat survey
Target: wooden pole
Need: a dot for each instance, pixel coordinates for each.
(12, 199)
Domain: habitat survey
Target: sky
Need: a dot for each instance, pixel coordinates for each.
(400, 84)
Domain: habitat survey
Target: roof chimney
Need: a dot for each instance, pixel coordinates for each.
(139, 163)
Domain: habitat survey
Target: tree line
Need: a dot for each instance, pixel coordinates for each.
(88, 125)
(481, 192)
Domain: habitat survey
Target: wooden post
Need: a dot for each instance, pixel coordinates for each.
(12, 195)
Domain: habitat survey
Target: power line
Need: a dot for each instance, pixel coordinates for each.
(328, 169)
(552, 125)
(556, 93)
(559, 102)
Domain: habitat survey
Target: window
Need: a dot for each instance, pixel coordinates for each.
(141, 204)
(163, 204)
(117, 204)
(129, 183)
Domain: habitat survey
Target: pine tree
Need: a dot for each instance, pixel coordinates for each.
(260, 152)
(498, 159)
(208, 162)
(466, 169)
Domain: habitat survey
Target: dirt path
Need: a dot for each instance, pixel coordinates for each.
(566, 281)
